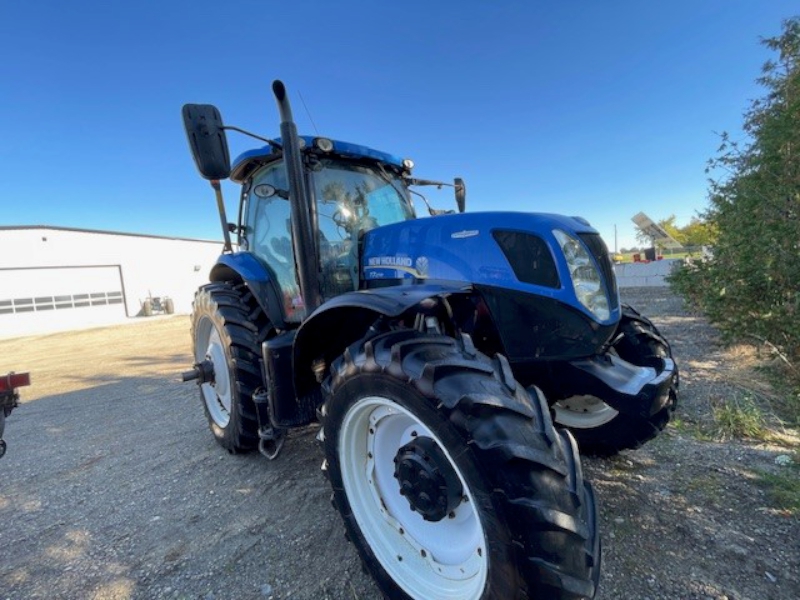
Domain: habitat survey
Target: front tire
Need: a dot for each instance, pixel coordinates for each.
(450, 478)
(599, 429)
(226, 331)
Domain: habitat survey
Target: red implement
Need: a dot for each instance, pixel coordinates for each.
(14, 380)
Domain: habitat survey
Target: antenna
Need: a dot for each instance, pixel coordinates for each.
(308, 112)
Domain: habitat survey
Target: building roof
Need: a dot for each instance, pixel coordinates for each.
(103, 232)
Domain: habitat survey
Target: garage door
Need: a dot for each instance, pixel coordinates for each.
(37, 300)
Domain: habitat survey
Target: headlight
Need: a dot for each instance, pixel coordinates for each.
(586, 278)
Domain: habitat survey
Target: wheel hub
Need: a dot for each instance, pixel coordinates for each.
(427, 480)
(216, 357)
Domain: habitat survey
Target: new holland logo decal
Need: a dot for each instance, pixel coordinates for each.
(379, 267)
(422, 267)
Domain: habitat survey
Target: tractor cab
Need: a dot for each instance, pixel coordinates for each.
(305, 205)
(352, 188)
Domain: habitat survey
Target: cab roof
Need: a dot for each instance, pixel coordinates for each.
(244, 164)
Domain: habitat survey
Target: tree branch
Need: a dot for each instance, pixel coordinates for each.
(775, 349)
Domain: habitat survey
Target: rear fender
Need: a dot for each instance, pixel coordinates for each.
(244, 267)
(346, 318)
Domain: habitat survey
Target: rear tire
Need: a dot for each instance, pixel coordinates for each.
(225, 330)
(520, 521)
(147, 308)
(599, 429)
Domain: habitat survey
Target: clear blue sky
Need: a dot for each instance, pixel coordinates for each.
(598, 109)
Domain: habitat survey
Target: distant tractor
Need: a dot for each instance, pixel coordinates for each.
(432, 351)
(9, 400)
(157, 304)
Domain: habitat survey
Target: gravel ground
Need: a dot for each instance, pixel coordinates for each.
(113, 488)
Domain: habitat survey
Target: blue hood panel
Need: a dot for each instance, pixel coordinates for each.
(461, 247)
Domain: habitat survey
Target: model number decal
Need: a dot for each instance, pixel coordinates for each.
(467, 233)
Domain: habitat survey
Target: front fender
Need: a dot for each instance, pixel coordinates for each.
(346, 318)
(626, 387)
(261, 283)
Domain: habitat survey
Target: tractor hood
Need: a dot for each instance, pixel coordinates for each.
(517, 252)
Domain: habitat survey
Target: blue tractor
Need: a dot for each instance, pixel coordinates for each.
(434, 352)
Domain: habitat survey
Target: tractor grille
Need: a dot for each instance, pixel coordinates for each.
(598, 249)
(529, 257)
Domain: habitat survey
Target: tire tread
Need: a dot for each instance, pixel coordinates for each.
(243, 326)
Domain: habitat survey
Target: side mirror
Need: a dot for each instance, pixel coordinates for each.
(207, 139)
(461, 194)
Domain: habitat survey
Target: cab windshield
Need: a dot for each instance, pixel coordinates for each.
(351, 199)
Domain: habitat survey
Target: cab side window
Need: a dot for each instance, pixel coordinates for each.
(269, 234)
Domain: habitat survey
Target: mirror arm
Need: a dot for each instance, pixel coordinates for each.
(221, 206)
(458, 185)
(272, 143)
(413, 181)
(431, 211)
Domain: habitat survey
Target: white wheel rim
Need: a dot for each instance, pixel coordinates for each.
(217, 395)
(583, 412)
(428, 560)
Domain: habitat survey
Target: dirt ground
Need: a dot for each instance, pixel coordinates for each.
(113, 488)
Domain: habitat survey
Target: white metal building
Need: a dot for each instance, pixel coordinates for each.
(57, 278)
